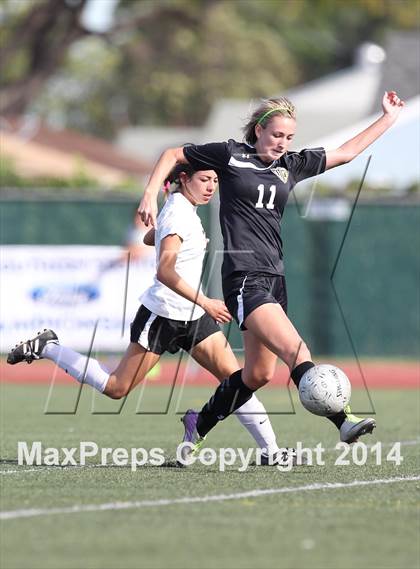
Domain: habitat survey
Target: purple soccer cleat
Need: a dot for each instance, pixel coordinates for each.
(186, 452)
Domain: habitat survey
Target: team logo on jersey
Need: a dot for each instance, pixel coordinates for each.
(281, 173)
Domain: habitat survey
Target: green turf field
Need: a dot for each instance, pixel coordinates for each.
(296, 524)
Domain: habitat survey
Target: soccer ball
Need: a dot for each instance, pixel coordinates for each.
(324, 390)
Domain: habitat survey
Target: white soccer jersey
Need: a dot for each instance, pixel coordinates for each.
(178, 216)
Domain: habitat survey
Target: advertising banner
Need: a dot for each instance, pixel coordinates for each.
(84, 293)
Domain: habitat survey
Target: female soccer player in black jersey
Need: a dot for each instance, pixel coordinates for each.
(169, 318)
(255, 179)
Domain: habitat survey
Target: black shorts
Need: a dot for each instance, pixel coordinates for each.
(159, 334)
(244, 292)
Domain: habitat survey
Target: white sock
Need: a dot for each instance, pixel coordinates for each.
(254, 418)
(82, 368)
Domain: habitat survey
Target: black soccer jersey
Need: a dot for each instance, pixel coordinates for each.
(253, 195)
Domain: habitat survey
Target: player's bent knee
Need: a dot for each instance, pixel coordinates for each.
(263, 378)
(255, 380)
(116, 391)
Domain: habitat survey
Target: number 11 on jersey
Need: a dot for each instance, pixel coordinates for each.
(261, 191)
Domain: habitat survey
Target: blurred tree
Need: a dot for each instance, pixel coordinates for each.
(38, 34)
(167, 61)
(174, 72)
(34, 43)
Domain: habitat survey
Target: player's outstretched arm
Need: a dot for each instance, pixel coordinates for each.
(148, 205)
(391, 106)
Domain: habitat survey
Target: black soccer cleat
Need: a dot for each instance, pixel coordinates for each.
(283, 457)
(31, 349)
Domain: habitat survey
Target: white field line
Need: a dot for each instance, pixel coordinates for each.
(47, 468)
(107, 506)
(4, 472)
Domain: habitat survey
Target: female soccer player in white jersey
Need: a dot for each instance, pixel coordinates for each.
(255, 179)
(174, 314)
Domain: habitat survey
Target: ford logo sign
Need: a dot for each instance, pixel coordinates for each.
(65, 294)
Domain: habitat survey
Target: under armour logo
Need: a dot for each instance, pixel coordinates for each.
(244, 155)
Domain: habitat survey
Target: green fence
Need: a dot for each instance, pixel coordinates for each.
(65, 222)
(372, 305)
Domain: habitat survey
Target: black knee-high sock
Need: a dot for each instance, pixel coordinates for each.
(231, 394)
(339, 418)
(299, 370)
